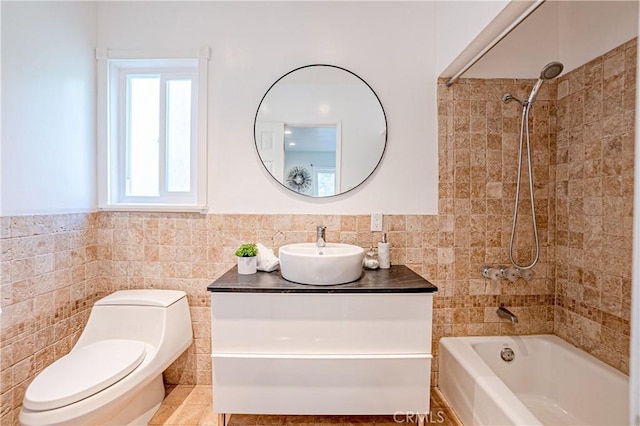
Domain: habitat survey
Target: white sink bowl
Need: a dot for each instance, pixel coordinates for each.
(306, 263)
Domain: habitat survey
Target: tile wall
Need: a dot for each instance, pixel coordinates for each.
(55, 267)
(478, 150)
(188, 251)
(50, 277)
(594, 204)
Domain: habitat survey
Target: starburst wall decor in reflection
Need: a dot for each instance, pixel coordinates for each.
(298, 179)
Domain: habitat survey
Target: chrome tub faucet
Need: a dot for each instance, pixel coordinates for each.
(507, 314)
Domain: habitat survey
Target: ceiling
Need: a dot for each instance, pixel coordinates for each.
(310, 138)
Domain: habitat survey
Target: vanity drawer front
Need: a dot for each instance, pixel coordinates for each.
(321, 323)
(321, 385)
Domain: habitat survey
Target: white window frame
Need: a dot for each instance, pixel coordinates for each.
(115, 65)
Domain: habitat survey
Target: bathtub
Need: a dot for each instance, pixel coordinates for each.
(548, 382)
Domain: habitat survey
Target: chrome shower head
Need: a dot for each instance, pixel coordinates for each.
(549, 71)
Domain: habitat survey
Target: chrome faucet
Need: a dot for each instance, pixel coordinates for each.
(507, 314)
(321, 236)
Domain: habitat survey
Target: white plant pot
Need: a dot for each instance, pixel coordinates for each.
(247, 265)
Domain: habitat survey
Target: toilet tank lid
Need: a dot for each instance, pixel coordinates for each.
(161, 298)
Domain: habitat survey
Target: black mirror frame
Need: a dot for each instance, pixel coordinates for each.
(384, 114)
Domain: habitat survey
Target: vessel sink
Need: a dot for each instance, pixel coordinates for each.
(306, 263)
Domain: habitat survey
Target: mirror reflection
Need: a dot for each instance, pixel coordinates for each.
(320, 130)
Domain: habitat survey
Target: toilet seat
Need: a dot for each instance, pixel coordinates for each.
(83, 372)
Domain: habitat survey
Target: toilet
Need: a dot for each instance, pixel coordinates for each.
(113, 375)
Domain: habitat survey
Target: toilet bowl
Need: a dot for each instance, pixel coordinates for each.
(113, 375)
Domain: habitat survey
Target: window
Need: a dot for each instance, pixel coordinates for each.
(324, 181)
(152, 131)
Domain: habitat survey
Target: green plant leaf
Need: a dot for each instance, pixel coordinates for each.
(247, 250)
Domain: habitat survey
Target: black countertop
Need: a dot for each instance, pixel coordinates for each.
(397, 279)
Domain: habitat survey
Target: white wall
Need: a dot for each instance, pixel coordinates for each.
(523, 53)
(48, 107)
(459, 23)
(573, 32)
(588, 29)
(390, 45)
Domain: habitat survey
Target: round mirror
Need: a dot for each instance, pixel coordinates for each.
(320, 130)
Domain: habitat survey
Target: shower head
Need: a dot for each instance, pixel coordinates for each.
(549, 71)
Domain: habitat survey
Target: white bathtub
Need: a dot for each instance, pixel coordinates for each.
(549, 382)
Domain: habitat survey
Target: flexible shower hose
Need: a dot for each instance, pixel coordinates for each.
(524, 134)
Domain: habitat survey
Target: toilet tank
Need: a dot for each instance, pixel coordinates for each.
(158, 317)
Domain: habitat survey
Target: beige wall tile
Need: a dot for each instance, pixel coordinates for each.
(596, 252)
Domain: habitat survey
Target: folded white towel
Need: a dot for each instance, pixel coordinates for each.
(267, 260)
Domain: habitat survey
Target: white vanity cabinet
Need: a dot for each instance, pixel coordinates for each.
(314, 350)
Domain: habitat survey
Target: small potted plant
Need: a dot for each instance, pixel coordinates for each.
(247, 261)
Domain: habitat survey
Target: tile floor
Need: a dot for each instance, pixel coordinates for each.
(192, 405)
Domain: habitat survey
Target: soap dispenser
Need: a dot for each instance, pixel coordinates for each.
(384, 256)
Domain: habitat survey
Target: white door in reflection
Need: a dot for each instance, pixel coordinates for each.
(270, 140)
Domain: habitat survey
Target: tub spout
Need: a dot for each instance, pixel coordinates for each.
(507, 314)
